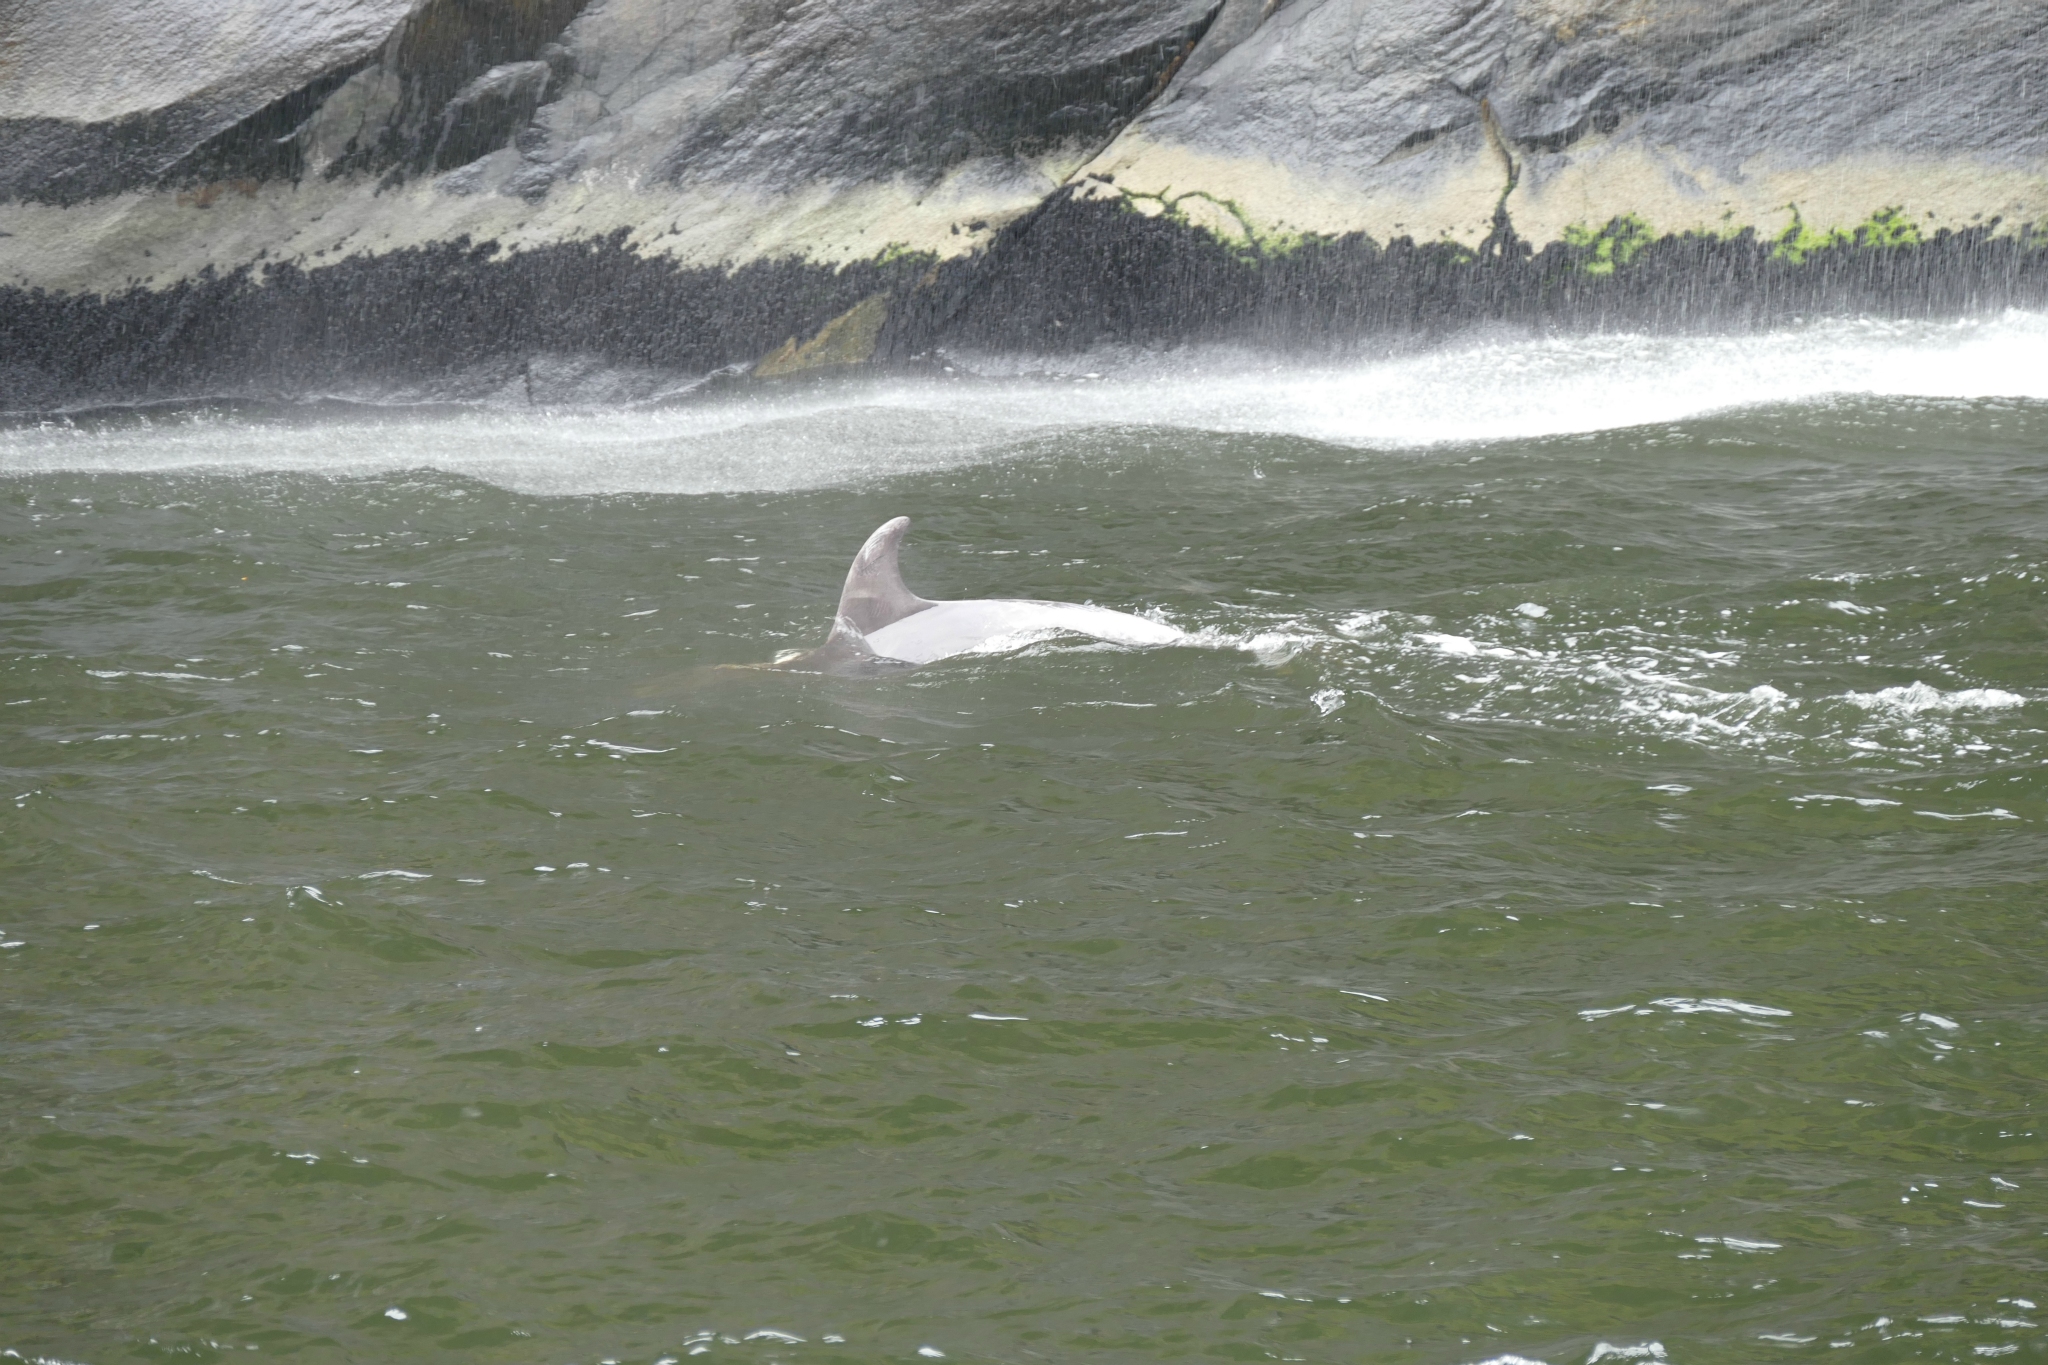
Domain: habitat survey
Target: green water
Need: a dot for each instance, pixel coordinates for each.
(1578, 892)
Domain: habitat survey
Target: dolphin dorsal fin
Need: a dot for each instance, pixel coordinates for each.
(874, 595)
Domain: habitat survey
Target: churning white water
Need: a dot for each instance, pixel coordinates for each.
(837, 430)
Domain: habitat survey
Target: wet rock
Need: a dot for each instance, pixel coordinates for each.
(96, 98)
(982, 174)
(848, 339)
(484, 115)
(1364, 116)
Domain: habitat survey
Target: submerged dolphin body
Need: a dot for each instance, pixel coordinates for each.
(882, 625)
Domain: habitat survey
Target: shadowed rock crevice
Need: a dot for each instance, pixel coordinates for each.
(264, 146)
(468, 76)
(97, 98)
(128, 153)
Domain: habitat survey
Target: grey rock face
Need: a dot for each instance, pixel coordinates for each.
(868, 91)
(1364, 115)
(484, 115)
(775, 94)
(95, 98)
(462, 77)
(1032, 176)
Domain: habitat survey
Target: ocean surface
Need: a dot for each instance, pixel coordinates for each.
(1577, 896)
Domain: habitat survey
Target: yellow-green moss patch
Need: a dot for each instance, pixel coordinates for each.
(1611, 247)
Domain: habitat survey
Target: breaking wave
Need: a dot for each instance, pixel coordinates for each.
(833, 431)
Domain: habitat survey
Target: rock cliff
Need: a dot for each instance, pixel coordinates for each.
(468, 196)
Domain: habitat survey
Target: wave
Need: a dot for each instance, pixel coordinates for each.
(839, 430)
(1646, 686)
(1919, 697)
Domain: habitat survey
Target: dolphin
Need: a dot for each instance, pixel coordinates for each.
(882, 626)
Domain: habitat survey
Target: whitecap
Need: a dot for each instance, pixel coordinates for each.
(1680, 1004)
(1742, 1243)
(112, 673)
(624, 748)
(1919, 698)
(1648, 1350)
(1995, 813)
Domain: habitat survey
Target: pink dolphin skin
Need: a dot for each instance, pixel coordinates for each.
(881, 625)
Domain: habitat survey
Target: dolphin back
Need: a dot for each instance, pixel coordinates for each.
(883, 627)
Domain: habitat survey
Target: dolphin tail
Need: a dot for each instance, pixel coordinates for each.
(875, 595)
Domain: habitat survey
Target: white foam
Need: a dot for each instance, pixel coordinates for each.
(1679, 1004)
(1995, 813)
(1919, 697)
(1651, 681)
(1648, 1350)
(1560, 386)
(112, 673)
(865, 428)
